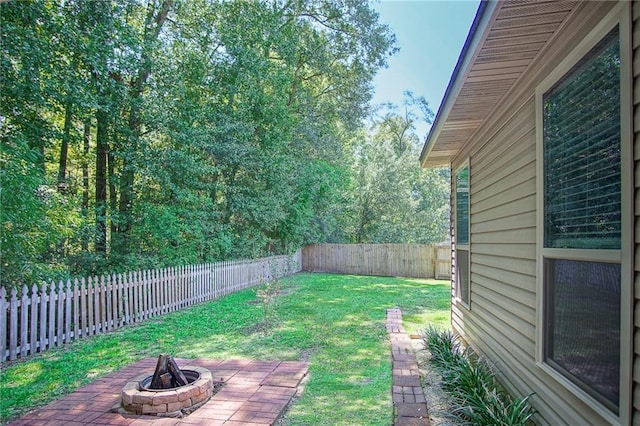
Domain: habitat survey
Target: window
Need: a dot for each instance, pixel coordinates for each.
(583, 315)
(462, 279)
(582, 153)
(582, 223)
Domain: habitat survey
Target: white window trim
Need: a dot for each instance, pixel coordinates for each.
(467, 247)
(620, 16)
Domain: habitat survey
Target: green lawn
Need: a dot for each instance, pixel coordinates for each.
(336, 322)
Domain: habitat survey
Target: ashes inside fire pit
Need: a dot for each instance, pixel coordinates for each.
(170, 391)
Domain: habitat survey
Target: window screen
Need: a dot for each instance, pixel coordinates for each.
(462, 234)
(583, 315)
(462, 275)
(582, 153)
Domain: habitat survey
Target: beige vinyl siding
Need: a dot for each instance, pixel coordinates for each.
(636, 150)
(501, 321)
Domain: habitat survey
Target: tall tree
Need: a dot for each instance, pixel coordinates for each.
(390, 198)
(156, 16)
(26, 58)
(201, 130)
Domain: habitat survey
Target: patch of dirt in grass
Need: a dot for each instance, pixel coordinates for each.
(260, 327)
(306, 354)
(288, 289)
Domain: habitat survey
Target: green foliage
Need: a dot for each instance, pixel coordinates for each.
(390, 198)
(470, 381)
(162, 132)
(151, 133)
(443, 346)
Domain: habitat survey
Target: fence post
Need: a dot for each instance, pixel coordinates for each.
(146, 295)
(13, 321)
(134, 285)
(33, 311)
(106, 303)
(159, 291)
(76, 306)
(3, 324)
(118, 311)
(24, 321)
(154, 289)
(177, 285)
(67, 313)
(103, 305)
(43, 317)
(59, 314)
(126, 295)
(144, 302)
(173, 289)
(83, 309)
(52, 314)
(112, 302)
(92, 302)
(164, 275)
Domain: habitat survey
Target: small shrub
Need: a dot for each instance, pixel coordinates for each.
(470, 380)
(443, 345)
(268, 295)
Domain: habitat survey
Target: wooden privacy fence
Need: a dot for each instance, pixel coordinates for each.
(443, 261)
(390, 260)
(36, 319)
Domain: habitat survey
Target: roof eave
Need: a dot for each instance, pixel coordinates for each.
(480, 25)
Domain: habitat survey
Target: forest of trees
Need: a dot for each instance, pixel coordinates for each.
(146, 133)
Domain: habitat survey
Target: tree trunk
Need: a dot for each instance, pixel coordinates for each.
(113, 196)
(102, 149)
(85, 179)
(153, 26)
(64, 148)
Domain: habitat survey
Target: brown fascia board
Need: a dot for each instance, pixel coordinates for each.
(483, 17)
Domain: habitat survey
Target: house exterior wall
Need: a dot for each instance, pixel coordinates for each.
(636, 151)
(500, 321)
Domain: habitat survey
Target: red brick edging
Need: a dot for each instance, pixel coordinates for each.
(410, 406)
(254, 393)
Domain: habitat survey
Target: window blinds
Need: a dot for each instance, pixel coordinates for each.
(581, 140)
(462, 206)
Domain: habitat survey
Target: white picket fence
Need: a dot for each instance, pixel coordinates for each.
(36, 319)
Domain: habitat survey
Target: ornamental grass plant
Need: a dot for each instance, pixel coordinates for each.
(470, 381)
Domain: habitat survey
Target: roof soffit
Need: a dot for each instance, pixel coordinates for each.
(503, 48)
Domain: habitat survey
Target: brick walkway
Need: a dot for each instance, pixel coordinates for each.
(255, 393)
(409, 402)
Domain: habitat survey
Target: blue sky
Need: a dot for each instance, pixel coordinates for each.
(430, 36)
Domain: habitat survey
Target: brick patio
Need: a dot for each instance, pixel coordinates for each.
(255, 393)
(410, 405)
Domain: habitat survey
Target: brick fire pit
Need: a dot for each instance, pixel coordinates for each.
(253, 392)
(137, 398)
